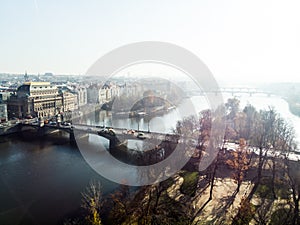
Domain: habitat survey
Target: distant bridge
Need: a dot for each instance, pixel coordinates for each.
(232, 90)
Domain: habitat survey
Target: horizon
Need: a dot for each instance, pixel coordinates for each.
(220, 82)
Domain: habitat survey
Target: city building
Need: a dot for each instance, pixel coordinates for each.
(159, 86)
(3, 112)
(4, 96)
(93, 93)
(115, 90)
(35, 99)
(130, 90)
(81, 95)
(106, 93)
(69, 100)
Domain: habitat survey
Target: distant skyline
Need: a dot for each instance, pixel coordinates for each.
(240, 41)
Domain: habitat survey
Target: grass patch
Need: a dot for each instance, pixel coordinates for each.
(245, 214)
(264, 190)
(281, 216)
(190, 181)
(282, 189)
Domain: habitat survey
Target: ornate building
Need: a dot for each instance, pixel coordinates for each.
(39, 99)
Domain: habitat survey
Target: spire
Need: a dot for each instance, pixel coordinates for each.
(26, 78)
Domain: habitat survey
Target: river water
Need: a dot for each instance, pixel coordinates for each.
(41, 180)
(193, 105)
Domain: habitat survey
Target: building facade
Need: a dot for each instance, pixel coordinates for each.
(3, 112)
(81, 95)
(36, 99)
(93, 94)
(69, 101)
(39, 99)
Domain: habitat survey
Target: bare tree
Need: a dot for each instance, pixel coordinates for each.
(294, 183)
(239, 162)
(262, 136)
(293, 174)
(251, 115)
(121, 200)
(92, 202)
(205, 123)
(232, 107)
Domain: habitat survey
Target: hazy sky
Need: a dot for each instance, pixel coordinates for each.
(253, 40)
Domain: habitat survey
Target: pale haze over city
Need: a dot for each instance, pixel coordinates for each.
(238, 40)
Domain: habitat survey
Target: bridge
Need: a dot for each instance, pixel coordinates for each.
(242, 90)
(232, 90)
(158, 145)
(116, 136)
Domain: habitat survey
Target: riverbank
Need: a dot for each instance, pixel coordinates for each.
(143, 113)
(290, 92)
(294, 105)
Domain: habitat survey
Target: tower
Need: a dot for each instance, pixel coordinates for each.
(26, 78)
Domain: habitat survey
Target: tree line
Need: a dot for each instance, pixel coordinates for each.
(263, 142)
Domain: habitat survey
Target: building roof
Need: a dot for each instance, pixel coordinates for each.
(36, 83)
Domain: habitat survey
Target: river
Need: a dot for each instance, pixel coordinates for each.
(167, 122)
(41, 180)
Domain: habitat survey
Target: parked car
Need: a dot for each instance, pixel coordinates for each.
(141, 136)
(130, 131)
(66, 124)
(111, 131)
(103, 131)
(52, 123)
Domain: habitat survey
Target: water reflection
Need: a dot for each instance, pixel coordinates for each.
(163, 124)
(42, 184)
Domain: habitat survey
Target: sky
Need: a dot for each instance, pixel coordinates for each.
(242, 41)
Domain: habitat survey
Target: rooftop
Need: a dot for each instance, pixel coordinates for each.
(37, 83)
